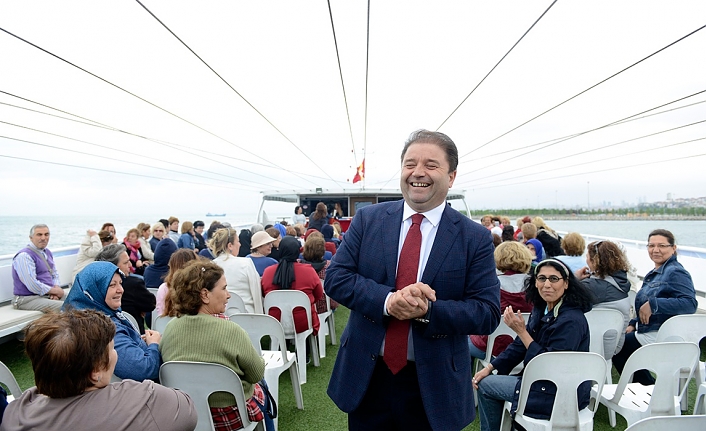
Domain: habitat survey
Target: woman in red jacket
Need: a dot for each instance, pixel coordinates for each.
(290, 274)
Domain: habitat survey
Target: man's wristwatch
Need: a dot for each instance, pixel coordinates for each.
(426, 317)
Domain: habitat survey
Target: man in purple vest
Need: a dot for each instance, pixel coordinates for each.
(35, 278)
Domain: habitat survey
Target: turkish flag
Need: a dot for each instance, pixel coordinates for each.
(360, 174)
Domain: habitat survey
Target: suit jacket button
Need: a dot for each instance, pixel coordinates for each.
(372, 357)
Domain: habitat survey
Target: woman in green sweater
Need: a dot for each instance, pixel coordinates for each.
(198, 292)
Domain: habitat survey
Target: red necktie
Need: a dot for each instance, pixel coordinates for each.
(397, 331)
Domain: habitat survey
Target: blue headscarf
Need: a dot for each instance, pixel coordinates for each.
(154, 274)
(327, 232)
(282, 230)
(538, 249)
(91, 287)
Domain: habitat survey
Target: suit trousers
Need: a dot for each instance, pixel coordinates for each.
(392, 402)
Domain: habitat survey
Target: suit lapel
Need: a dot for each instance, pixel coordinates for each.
(445, 235)
(391, 238)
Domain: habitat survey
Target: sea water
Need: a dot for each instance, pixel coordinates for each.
(69, 230)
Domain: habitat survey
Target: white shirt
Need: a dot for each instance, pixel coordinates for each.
(428, 228)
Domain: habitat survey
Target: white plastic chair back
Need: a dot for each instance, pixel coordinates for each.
(287, 301)
(686, 327)
(634, 401)
(8, 379)
(260, 325)
(567, 370)
(277, 358)
(670, 423)
(200, 380)
(235, 304)
(160, 323)
(600, 322)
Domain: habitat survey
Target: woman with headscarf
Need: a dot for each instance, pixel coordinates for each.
(155, 273)
(331, 244)
(94, 289)
(244, 238)
(290, 274)
(136, 300)
(537, 250)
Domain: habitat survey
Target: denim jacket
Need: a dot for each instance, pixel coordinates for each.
(669, 290)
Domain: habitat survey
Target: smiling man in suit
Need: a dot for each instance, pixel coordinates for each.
(418, 277)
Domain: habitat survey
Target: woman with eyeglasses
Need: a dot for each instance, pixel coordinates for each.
(557, 323)
(606, 276)
(158, 231)
(666, 291)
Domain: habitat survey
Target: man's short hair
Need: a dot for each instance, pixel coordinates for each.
(37, 226)
(436, 138)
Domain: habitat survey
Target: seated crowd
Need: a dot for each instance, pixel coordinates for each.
(117, 285)
(190, 276)
(557, 282)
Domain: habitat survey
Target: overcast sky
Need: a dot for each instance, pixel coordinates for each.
(163, 133)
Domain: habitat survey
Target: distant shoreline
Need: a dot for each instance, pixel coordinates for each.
(623, 218)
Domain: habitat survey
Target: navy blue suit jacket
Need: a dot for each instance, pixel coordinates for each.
(461, 270)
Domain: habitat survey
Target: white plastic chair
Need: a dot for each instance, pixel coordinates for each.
(235, 304)
(700, 404)
(277, 358)
(670, 423)
(199, 380)
(160, 323)
(686, 327)
(634, 401)
(502, 329)
(8, 379)
(327, 327)
(287, 301)
(567, 370)
(600, 321)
